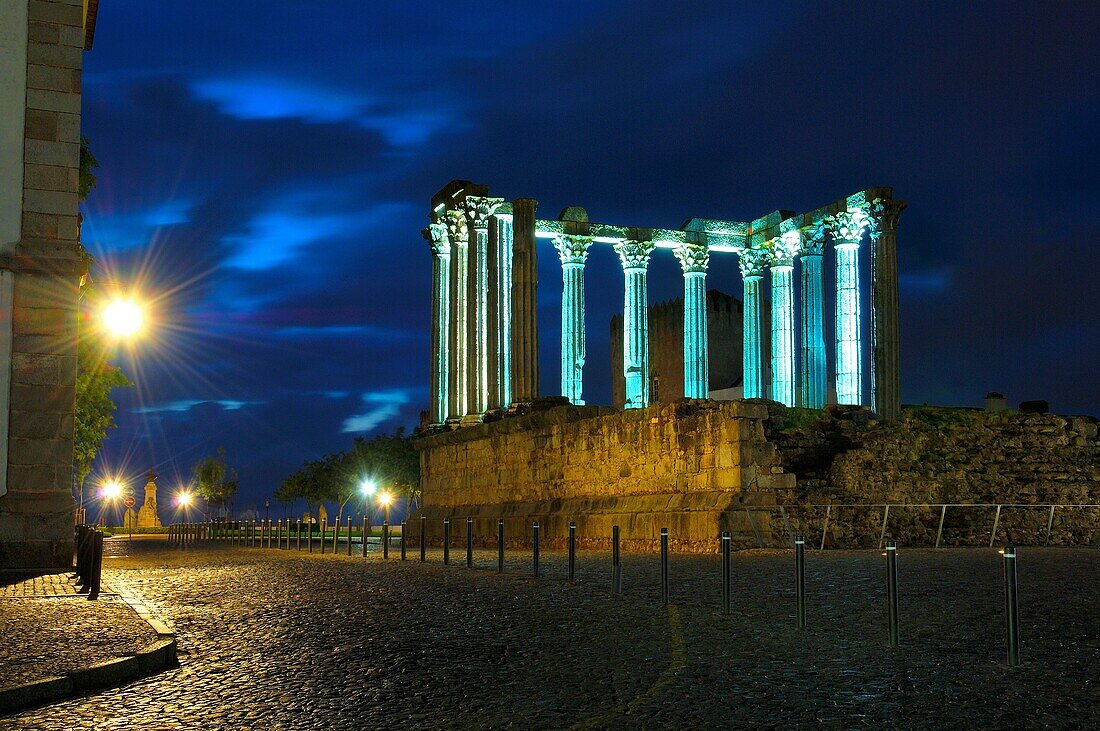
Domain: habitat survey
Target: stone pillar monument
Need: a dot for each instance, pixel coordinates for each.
(634, 256)
(885, 337)
(147, 516)
(847, 230)
(573, 251)
(784, 250)
(478, 210)
(500, 307)
(694, 260)
(752, 263)
(814, 372)
(525, 334)
(458, 391)
(436, 234)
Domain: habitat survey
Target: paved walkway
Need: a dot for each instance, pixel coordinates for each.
(271, 639)
(49, 629)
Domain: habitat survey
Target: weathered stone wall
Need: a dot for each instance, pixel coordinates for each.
(40, 272)
(691, 466)
(934, 455)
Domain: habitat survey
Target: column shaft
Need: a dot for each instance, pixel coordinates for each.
(572, 332)
(849, 345)
(753, 376)
(636, 339)
(500, 310)
(525, 336)
(459, 336)
(478, 328)
(885, 337)
(441, 313)
(696, 364)
(814, 369)
(782, 334)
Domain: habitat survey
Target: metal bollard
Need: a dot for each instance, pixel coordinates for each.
(446, 541)
(324, 535)
(404, 535)
(97, 564)
(664, 565)
(727, 573)
(279, 534)
(385, 539)
(349, 535)
(572, 553)
(423, 540)
(309, 536)
(298, 535)
(366, 533)
(1012, 610)
(535, 549)
(500, 545)
(616, 566)
(800, 578)
(335, 536)
(892, 590)
(469, 543)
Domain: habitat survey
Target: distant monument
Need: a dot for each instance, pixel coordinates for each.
(147, 516)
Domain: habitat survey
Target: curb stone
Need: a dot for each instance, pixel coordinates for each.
(149, 660)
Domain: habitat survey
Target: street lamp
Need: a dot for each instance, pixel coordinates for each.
(385, 499)
(267, 511)
(367, 487)
(122, 317)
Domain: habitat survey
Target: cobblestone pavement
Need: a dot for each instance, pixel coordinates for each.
(271, 639)
(48, 629)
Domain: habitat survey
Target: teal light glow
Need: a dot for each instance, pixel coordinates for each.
(479, 396)
(459, 332)
(782, 334)
(634, 256)
(694, 261)
(504, 238)
(436, 234)
(814, 369)
(752, 268)
(573, 251)
(847, 231)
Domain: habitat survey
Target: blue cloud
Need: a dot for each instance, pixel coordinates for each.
(118, 231)
(383, 406)
(185, 405)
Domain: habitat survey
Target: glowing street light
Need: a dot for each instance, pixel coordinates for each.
(385, 499)
(111, 490)
(122, 317)
(185, 499)
(367, 487)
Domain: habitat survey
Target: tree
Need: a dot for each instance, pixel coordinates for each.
(216, 481)
(95, 377)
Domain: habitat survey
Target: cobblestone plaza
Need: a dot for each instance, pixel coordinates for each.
(276, 639)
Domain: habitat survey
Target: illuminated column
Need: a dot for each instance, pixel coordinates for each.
(634, 256)
(500, 307)
(885, 336)
(783, 253)
(815, 370)
(436, 234)
(525, 333)
(478, 209)
(847, 230)
(458, 234)
(752, 263)
(693, 261)
(573, 251)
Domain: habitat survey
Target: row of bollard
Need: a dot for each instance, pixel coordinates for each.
(261, 533)
(725, 548)
(88, 544)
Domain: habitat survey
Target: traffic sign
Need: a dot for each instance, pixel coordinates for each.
(130, 502)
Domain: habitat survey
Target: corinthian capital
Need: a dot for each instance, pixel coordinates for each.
(572, 249)
(848, 226)
(456, 228)
(884, 216)
(785, 248)
(436, 234)
(694, 258)
(813, 239)
(634, 254)
(752, 262)
(479, 208)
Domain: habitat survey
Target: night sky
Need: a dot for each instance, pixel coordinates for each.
(266, 169)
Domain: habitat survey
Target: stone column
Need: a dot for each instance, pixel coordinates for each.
(436, 234)
(478, 210)
(573, 251)
(752, 263)
(458, 390)
(783, 253)
(885, 337)
(525, 334)
(500, 307)
(847, 230)
(634, 256)
(694, 259)
(814, 385)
